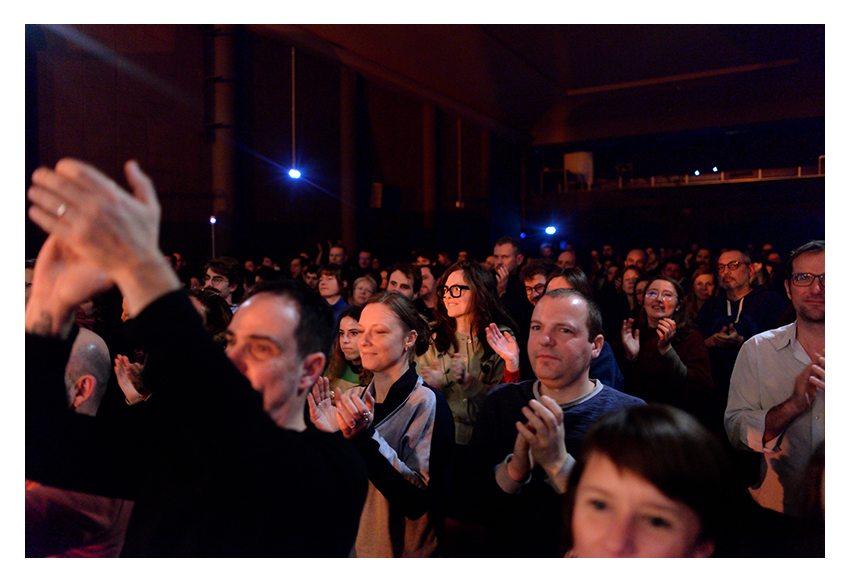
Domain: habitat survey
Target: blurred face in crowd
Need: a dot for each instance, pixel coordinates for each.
(400, 283)
(703, 257)
(364, 260)
(566, 260)
(312, 279)
(361, 293)
(640, 289)
(348, 335)
(630, 277)
(733, 271)
(220, 284)
(704, 287)
(535, 288)
(637, 258)
(507, 257)
(336, 255)
(422, 261)
(295, 268)
(329, 287)
(428, 287)
(672, 270)
(619, 514)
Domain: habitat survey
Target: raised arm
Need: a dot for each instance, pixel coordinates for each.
(107, 227)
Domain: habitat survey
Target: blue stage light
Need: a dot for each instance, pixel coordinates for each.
(550, 230)
(293, 173)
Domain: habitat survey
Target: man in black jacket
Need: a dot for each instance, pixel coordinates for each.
(218, 460)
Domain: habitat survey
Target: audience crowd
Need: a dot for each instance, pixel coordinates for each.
(530, 403)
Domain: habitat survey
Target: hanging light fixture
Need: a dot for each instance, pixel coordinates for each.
(294, 172)
(459, 202)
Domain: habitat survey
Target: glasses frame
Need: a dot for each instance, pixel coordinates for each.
(810, 277)
(539, 288)
(664, 297)
(450, 291)
(731, 266)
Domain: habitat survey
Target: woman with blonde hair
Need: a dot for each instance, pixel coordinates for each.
(403, 429)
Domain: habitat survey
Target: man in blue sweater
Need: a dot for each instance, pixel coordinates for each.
(526, 433)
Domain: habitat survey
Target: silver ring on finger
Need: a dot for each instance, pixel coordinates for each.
(367, 415)
(63, 208)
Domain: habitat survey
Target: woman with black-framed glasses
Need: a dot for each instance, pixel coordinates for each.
(460, 361)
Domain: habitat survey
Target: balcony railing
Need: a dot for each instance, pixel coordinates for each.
(564, 181)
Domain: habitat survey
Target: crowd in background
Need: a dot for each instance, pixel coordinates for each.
(523, 403)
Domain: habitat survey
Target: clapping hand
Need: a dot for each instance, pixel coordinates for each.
(322, 410)
(544, 434)
(666, 330)
(809, 381)
(461, 376)
(353, 414)
(725, 338)
(433, 376)
(62, 279)
(129, 376)
(505, 345)
(631, 339)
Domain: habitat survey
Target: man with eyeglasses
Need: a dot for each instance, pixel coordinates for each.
(777, 393)
(533, 276)
(738, 312)
(221, 462)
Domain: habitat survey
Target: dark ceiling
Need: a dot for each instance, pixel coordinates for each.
(556, 84)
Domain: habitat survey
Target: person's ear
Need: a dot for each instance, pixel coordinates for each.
(788, 288)
(83, 389)
(410, 340)
(314, 366)
(598, 342)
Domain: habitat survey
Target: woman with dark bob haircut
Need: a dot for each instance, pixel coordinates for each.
(650, 481)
